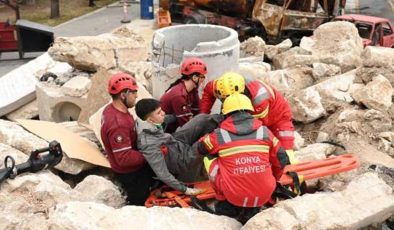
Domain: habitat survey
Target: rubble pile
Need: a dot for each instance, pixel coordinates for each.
(340, 93)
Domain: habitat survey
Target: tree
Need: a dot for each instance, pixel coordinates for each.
(55, 9)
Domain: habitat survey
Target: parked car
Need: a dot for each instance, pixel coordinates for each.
(374, 31)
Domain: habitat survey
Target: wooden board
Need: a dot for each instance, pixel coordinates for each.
(72, 144)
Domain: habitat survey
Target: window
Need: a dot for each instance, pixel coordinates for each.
(364, 30)
(387, 29)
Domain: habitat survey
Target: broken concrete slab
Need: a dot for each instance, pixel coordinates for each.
(377, 94)
(337, 88)
(76, 86)
(88, 215)
(321, 70)
(18, 86)
(53, 105)
(374, 56)
(312, 152)
(253, 70)
(27, 111)
(365, 201)
(104, 191)
(142, 71)
(306, 106)
(6, 150)
(307, 43)
(107, 51)
(253, 46)
(338, 43)
(97, 96)
(288, 80)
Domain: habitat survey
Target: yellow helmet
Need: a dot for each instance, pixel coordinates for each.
(236, 102)
(228, 84)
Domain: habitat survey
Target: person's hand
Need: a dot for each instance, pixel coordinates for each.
(194, 191)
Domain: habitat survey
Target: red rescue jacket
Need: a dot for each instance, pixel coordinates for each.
(249, 160)
(120, 140)
(184, 105)
(271, 108)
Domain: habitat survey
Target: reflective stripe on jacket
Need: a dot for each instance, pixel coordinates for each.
(249, 158)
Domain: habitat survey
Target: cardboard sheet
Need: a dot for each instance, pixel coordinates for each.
(72, 144)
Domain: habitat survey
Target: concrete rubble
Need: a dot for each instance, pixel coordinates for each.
(340, 93)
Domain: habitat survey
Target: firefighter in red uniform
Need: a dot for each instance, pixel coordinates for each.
(244, 159)
(270, 107)
(181, 98)
(119, 137)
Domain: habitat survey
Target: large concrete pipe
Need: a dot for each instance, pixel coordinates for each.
(218, 46)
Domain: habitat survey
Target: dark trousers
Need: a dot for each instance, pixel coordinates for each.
(242, 214)
(136, 185)
(189, 134)
(197, 127)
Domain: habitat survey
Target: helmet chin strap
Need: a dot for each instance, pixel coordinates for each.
(124, 102)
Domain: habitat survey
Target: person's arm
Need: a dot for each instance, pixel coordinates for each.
(155, 158)
(124, 154)
(205, 145)
(277, 156)
(208, 98)
(196, 103)
(182, 111)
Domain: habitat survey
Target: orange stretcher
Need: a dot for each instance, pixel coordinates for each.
(166, 196)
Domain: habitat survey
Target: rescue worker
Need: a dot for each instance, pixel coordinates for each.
(181, 98)
(171, 156)
(270, 107)
(119, 137)
(244, 159)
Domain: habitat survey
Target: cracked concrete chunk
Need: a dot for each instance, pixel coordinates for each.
(88, 215)
(76, 86)
(27, 111)
(366, 200)
(306, 106)
(104, 191)
(338, 43)
(317, 151)
(6, 150)
(253, 46)
(106, 51)
(377, 94)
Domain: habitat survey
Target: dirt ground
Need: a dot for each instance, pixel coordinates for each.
(39, 10)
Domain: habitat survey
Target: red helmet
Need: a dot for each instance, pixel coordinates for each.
(121, 81)
(193, 65)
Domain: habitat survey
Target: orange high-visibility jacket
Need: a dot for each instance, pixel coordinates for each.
(249, 160)
(271, 108)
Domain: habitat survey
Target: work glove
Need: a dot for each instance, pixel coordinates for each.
(193, 191)
(292, 158)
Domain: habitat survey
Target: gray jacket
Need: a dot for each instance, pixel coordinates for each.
(179, 159)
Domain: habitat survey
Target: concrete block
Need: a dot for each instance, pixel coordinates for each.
(367, 200)
(53, 105)
(97, 96)
(18, 86)
(76, 86)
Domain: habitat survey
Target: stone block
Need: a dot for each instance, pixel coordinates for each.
(76, 86)
(365, 201)
(53, 105)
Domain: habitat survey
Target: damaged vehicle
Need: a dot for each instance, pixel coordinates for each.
(374, 31)
(273, 20)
